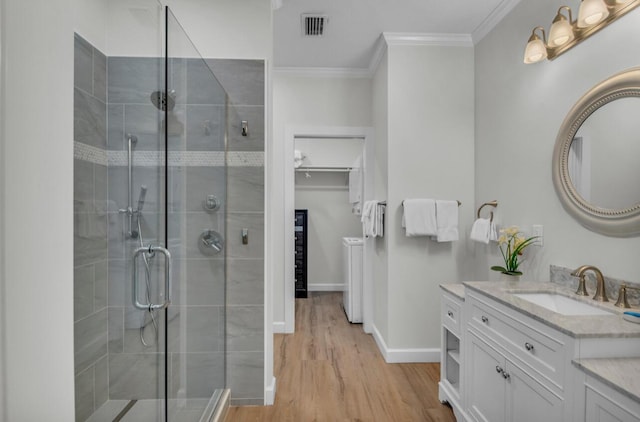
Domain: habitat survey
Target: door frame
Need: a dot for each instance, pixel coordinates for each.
(368, 158)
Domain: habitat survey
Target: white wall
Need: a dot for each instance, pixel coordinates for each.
(306, 101)
(430, 155)
(218, 28)
(90, 21)
(226, 28)
(326, 196)
(519, 109)
(377, 252)
(37, 213)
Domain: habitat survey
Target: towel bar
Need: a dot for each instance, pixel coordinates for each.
(493, 203)
(459, 203)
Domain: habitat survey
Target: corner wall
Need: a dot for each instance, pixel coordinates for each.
(430, 155)
(378, 256)
(519, 109)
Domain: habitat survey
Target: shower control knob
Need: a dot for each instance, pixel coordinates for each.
(211, 203)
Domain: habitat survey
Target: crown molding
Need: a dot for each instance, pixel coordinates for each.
(446, 40)
(378, 52)
(321, 72)
(493, 19)
(415, 39)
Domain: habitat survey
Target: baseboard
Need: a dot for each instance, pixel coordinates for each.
(404, 355)
(325, 287)
(270, 393)
(279, 327)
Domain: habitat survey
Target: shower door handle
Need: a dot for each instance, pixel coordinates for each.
(167, 278)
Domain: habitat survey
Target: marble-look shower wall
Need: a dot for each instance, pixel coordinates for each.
(136, 369)
(244, 83)
(90, 229)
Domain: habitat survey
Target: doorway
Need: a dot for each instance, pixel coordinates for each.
(365, 134)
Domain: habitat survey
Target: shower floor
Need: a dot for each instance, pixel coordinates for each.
(147, 410)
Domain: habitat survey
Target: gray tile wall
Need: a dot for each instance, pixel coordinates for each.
(136, 370)
(243, 81)
(90, 233)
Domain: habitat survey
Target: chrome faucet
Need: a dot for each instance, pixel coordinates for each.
(601, 294)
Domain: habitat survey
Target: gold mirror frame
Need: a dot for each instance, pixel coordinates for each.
(611, 222)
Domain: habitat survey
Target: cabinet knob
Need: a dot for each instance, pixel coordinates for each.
(450, 314)
(485, 319)
(499, 370)
(505, 375)
(528, 346)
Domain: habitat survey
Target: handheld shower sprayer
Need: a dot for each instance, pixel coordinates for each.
(143, 194)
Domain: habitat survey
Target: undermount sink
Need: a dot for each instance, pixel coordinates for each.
(561, 304)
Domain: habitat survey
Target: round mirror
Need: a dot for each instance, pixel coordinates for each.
(595, 163)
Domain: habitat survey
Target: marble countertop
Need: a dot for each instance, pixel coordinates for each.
(622, 374)
(456, 289)
(581, 326)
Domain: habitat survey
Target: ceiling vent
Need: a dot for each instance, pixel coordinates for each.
(313, 25)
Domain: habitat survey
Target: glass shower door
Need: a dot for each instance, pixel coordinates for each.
(150, 223)
(195, 130)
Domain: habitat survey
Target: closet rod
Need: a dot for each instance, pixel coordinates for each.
(325, 169)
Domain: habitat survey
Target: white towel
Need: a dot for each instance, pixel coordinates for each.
(380, 210)
(493, 232)
(419, 217)
(368, 215)
(481, 230)
(447, 220)
(373, 219)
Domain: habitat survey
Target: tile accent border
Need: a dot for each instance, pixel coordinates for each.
(88, 153)
(99, 156)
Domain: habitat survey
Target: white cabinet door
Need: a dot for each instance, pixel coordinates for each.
(529, 401)
(602, 406)
(486, 391)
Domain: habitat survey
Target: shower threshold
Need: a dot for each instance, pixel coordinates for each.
(190, 410)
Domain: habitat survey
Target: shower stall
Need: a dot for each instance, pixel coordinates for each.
(157, 307)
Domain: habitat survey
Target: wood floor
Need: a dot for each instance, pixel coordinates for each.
(330, 370)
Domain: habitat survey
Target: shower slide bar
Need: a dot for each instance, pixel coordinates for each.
(130, 211)
(167, 278)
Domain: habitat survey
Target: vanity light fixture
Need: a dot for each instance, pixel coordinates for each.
(536, 49)
(592, 12)
(561, 31)
(565, 32)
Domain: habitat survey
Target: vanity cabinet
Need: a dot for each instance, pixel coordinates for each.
(501, 390)
(603, 404)
(504, 359)
(598, 401)
(516, 367)
(451, 357)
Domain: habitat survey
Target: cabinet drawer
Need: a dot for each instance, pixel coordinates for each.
(531, 346)
(451, 314)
